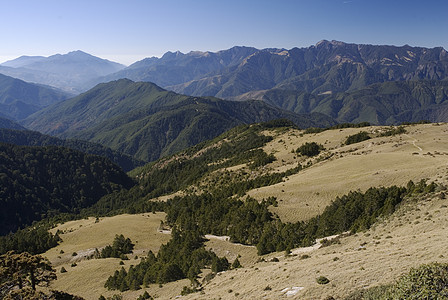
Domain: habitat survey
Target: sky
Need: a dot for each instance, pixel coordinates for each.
(129, 30)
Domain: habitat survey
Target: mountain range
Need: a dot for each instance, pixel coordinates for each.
(71, 72)
(391, 102)
(147, 122)
(349, 82)
(327, 66)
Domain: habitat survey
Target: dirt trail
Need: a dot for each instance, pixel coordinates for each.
(413, 142)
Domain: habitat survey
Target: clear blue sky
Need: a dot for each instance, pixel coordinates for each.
(129, 30)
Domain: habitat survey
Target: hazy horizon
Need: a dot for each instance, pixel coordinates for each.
(129, 31)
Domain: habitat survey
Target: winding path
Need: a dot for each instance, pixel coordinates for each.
(413, 142)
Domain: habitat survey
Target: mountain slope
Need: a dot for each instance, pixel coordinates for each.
(327, 66)
(70, 72)
(146, 121)
(44, 181)
(175, 68)
(19, 99)
(381, 103)
(211, 171)
(9, 124)
(151, 134)
(22, 137)
(101, 103)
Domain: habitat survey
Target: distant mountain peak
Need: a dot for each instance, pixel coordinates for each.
(79, 53)
(332, 42)
(172, 55)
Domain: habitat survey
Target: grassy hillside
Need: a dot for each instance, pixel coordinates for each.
(414, 235)
(380, 161)
(383, 160)
(88, 277)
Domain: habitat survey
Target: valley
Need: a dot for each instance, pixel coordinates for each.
(310, 173)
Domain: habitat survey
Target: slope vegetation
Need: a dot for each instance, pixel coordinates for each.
(146, 121)
(262, 161)
(33, 138)
(382, 103)
(38, 182)
(9, 124)
(19, 99)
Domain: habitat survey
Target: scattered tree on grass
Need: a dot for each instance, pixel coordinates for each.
(310, 149)
(356, 138)
(120, 247)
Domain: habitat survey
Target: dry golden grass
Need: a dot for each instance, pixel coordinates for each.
(83, 236)
(248, 254)
(416, 234)
(380, 161)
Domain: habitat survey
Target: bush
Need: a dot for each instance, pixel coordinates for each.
(425, 282)
(322, 280)
(187, 290)
(144, 296)
(393, 131)
(236, 264)
(356, 138)
(63, 270)
(310, 149)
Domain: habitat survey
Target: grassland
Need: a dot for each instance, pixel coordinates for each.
(83, 236)
(415, 234)
(381, 161)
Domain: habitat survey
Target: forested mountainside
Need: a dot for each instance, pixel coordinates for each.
(39, 182)
(147, 122)
(19, 99)
(9, 124)
(381, 103)
(24, 137)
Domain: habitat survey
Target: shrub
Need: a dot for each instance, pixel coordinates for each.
(144, 296)
(310, 149)
(425, 282)
(322, 280)
(393, 131)
(356, 138)
(63, 270)
(187, 290)
(236, 264)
